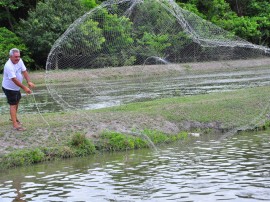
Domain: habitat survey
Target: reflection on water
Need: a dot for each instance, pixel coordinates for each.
(96, 95)
(206, 169)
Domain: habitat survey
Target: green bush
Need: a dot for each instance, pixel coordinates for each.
(58, 152)
(9, 40)
(46, 23)
(81, 145)
(23, 157)
(114, 141)
(156, 136)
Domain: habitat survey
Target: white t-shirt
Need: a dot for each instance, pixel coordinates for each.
(11, 71)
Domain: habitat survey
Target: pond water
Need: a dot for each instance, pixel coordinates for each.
(116, 92)
(205, 168)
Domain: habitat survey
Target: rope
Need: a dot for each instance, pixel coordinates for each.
(33, 95)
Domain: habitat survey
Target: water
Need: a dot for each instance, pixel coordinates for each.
(203, 169)
(121, 91)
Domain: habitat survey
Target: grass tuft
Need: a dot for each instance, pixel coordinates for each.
(78, 146)
(22, 157)
(81, 145)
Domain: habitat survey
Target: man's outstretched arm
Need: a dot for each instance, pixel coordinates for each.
(27, 78)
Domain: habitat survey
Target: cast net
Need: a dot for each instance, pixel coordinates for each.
(127, 51)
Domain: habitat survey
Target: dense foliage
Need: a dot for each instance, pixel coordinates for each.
(34, 25)
(46, 23)
(9, 40)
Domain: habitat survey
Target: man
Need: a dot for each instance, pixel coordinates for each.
(14, 71)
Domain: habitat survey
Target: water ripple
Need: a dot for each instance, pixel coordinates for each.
(234, 170)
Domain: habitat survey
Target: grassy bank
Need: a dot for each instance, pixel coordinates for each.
(84, 132)
(79, 146)
(80, 133)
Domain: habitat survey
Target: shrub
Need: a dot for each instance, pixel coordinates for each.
(114, 141)
(81, 145)
(10, 40)
(23, 157)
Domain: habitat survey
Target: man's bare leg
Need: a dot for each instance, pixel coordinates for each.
(13, 115)
(17, 106)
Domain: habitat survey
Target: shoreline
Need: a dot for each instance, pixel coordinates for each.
(170, 119)
(163, 121)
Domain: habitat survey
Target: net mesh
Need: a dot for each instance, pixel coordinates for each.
(131, 50)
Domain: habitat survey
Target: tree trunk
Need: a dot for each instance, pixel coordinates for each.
(9, 19)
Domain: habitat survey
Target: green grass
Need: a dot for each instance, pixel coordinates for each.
(233, 108)
(230, 108)
(115, 141)
(79, 146)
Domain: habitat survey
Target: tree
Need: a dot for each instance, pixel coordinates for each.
(6, 7)
(260, 12)
(13, 10)
(211, 8)
(239, 6)
(80, 44)
(89, 4)
(9, 40)
(192, 8)
(243, 27)
(47, 23)
(252, 21)
(117, 31)
(248, 19)
(154, 45)
(87, 39)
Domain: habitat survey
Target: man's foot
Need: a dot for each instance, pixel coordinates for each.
(19, 128)
(17, 122)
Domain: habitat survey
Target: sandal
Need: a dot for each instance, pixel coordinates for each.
(19, 128)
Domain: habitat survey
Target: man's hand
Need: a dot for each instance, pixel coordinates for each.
(31, 85)
(27, 78)
(27, 90)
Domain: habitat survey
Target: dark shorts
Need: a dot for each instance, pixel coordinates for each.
(13, 97)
